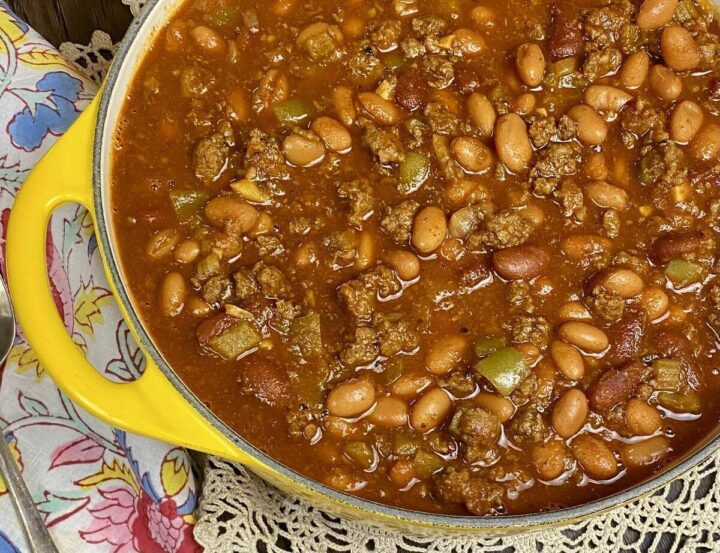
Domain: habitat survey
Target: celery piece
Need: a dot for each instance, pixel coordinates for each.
(426, 464)
(394, 60)
(504, 368)
(404, 444)
(687, 401)
(414, 171)
(669, 376)
(236, 340)
(360, 453)
(187, 203)
(488, 344)
(291, 111)
(393, 369)
(306, 335)
(683, 273)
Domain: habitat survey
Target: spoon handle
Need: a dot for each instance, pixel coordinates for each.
(37, 535)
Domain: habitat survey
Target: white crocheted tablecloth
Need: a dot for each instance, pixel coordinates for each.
(240, 513)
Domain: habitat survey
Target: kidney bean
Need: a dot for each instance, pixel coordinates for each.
(431, 410)
(406, 264)
(568, 360)
(594, 456)
(627, 335)
(615, 385)
(411, 90)
(482, 113)
(713, 90)
(382, 111)
(569, 413)
(655, 14)
(635, 70)
(641, 419)
(335, 136)
(655, 302)
(530, 63)
(674, 244)
(500, 406)
(647, 452)
(566, 38)
(607, 196)
(512, 142)
(265, 382)
(626, 283)
(389, 412)
(685, 121)
(585, 336)
(520, 262)
(351, 399)
(665, 83)
(549, 459)
(429, 229)
(581, 246)
(606, 98)
(411, 384)
(706, 144)
(172, 294)
(447, 353)
(592, 130)
(679, 49)
(342, 97)
(471, 154)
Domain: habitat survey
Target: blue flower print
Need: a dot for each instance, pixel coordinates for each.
(6, 545)
(50, 109)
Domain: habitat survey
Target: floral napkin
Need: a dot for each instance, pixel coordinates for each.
(97, 487)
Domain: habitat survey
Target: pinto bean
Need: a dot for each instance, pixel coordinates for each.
(647, 452)
(641, 419)
(592, 129)
(482, 113)
(635, 70)
(411, 384)
(607, 196)
(566, 37)
(431, 410)
(679, 49)
(468, 42)
(581, 246)
(471, 154)
(447, 353)
(706, 144)
(608, 99)
(665, 83)
(231, 211)
(569, 361)
(303, 149)
(524, 104)
(512, 142)
(429, 229)
(655, 14)
(335, 136)
(615, 386)
(351, 399)
(405, 263)
(584, 336)
(520, 262)
(685, 121)
(274, 87)
(596, 166)
(594, 456)
(500, 406)
(574, 311)
(655, 302)
(209, 40)
(549, 459)
(389, 412)
(163, 242)
(382, 111)
(674, 244)
(187, 251)
(172, 294)
(402, 472)
(569, 413)
(342, 97)
(530, 64)
(626, 283)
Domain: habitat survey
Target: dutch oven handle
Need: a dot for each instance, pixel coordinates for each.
(150, 405)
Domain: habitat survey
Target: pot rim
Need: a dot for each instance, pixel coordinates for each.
(495, 523)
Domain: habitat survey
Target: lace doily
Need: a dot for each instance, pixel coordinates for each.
(241, 513)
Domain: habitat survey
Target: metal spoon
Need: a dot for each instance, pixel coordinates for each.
(35, 531)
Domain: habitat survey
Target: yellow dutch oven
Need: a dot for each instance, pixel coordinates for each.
(158, 404)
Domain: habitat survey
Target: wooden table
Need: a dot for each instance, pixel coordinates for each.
(74, 20)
